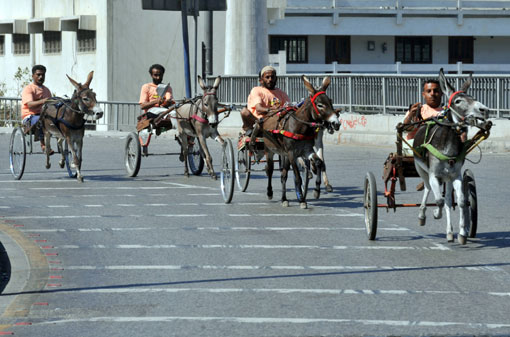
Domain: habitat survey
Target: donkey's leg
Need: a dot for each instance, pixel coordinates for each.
(79, 146)
(47, 149)
(448, 208)
(298, 183)
(60, 147)
(269, 174)
(184, 149)
(435, 185)
(461, 202)
(320, 154)
(422, 218)
(208, 158)
(319, 164)
(283, 179)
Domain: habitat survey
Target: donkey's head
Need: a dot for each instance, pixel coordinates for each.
(321, 104)
(209, 104)
(85, 98)
(463, 106)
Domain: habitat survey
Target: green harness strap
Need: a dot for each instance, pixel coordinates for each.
(435, 152)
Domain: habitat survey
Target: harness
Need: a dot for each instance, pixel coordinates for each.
(58, 103)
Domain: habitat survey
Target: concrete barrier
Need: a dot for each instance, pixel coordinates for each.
(356, 129)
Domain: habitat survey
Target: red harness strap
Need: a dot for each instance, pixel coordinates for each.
(200, 119)
(295, 136)
(313, 98)
(452, 96)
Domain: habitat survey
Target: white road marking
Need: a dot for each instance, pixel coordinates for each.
(313, 215)
(58, 206)
(203, 194)
(53, 216)
(93, 205)
(126, 205)
(301, 268)
(277, 320)
(5, 207)
(286, 291)
(157, 205)
(181, 215)
(247, 246)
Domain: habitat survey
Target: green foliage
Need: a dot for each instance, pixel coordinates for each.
(22, 77)
(3, 89)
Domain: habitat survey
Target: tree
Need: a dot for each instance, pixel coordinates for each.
(22, 77)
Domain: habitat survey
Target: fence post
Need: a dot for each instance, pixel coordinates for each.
(350, 94)
(498, 96)
(384, 94)
(117, 118)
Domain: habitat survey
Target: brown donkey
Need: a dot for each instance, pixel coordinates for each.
(65, 119)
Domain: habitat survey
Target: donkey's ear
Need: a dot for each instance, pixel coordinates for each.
(446, 88)
(73, 82)
(325, 83)
(89, 79)
(467, 84)
(201, 83)
(217, 82)
(308, 85)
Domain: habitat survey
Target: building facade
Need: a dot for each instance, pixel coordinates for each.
(119, 40)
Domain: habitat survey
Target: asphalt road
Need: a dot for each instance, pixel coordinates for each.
(162, 255)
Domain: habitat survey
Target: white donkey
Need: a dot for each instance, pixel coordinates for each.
(444, 152)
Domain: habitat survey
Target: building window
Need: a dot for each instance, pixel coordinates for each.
(296, 47)
(338, 48)
(52, 42)
(21, 44)
(460, 49)
(413, 49)
(86, 40)
(2, 44)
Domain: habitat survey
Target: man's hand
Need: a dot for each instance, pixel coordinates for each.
(414, 112)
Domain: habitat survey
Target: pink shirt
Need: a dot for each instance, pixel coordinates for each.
(267, 98)
(426, 112)
(148, 93)
(33, 92)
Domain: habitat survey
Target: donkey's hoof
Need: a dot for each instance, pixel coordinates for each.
(48, 166)
(214, 177)
(438, 214)
(316, 194)
(303, 205)
(462, 239)
(285, 203)
(61, 164)
(329, 188)
(422, 221)
(270, 195)
(449, 237)
(80, 179)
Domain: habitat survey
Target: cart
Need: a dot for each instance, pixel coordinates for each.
(399, 167)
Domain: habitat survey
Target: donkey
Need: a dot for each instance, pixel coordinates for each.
(66, 118)
(198, 118)
(443, 154)
(292, 135)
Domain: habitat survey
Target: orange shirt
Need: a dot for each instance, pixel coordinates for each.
(267, 98)
(148, 93)
(426, 112)
(33, 92)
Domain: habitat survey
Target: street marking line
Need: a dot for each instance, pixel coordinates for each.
(284, 291)
(250, 246)
(301, 268)
(277, 320)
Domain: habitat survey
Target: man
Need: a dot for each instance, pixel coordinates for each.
(262, 100)
(33, 97)
(433, 96)
(149, 97)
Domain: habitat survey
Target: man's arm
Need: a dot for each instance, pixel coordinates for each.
(35, 104)
(412, 114)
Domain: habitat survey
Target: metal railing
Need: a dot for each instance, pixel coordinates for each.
(355, 93)
(373, 93)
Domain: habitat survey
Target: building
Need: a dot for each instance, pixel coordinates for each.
(119, 40)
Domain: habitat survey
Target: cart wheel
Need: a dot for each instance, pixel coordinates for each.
(304, 170)
(227, 171)
(471, 217)
(133, 154)
(68, 156)
(243, 167)
(195, 159)
(370, 204)
(17, 153)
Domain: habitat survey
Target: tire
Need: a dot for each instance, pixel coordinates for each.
(68, 156)
(471, 216)
(304, 170)
(243, 168)
(195, 159)
(133, 154)
(17, 153)
(227, 171)
(370, 205)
